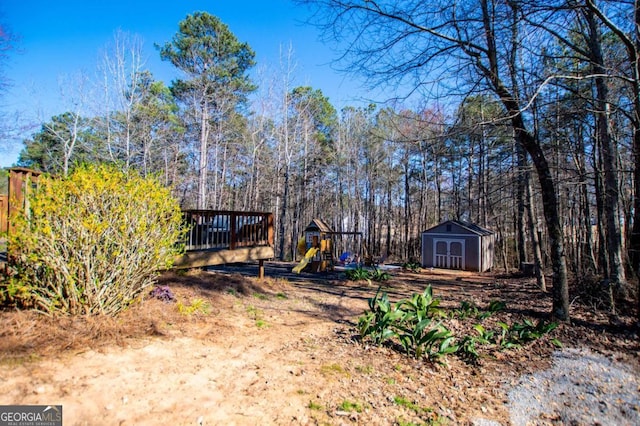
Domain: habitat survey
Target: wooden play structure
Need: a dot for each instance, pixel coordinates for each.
(215, 237)
(319, 247)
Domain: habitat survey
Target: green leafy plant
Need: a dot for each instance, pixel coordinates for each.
(92, 242)
(358, 274)
(362, 274)
(417, 331)
(467, 309)
(468, 349)
(528, 331)
(505, 340)
(494, 307)
(411, 322)
(485, 336)
(468, 346)
(379, 275)
(420, 306)
(420, 339)
(470, 309)
(412, 266)
(415, 324)
(378, 322)
(517, 334)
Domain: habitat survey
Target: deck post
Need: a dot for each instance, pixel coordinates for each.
(261, 269)
(270, 232)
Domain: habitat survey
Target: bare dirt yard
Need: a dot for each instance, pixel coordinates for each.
(234, 350)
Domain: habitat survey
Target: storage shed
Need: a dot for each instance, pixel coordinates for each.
(458, 245)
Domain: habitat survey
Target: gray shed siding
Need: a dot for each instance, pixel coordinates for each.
(455, 245)
(488, 248)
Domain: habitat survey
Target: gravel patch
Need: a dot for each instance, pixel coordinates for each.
(582, 388)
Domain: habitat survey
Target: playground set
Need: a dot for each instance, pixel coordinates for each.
(319, 244)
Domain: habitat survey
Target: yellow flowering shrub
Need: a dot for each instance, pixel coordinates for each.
(92, 242)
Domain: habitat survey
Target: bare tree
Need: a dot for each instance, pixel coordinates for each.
(8, 44)
(609, 156)
(9, 123)
(622, 19)
(122, 70)
(75, 93)
(415, 43)
(286, 149)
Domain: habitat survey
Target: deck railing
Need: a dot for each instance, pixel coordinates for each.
(222, 229)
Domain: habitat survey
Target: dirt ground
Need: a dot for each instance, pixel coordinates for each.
(234, 350)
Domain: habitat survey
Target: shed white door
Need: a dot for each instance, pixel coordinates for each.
(448, 253)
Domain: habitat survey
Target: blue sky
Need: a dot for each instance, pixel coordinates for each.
(64, 37)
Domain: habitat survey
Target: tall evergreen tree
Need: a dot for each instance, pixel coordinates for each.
(216, 83)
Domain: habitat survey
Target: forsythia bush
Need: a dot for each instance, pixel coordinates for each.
(92, 242)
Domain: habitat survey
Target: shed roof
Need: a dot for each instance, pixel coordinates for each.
(318, 225)
(471, 227)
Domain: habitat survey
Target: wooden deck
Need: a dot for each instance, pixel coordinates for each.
(218, 237)
(215, 237)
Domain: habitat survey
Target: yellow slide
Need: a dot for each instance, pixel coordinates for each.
(307, 258)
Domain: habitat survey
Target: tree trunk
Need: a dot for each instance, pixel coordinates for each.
(283, 215)
(407, 206)
(535, 242)
(611, 194)
(521, 158)
(634, 244)
(526, 139)
(202, 170)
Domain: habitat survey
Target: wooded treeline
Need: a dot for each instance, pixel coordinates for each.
(535, 133)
